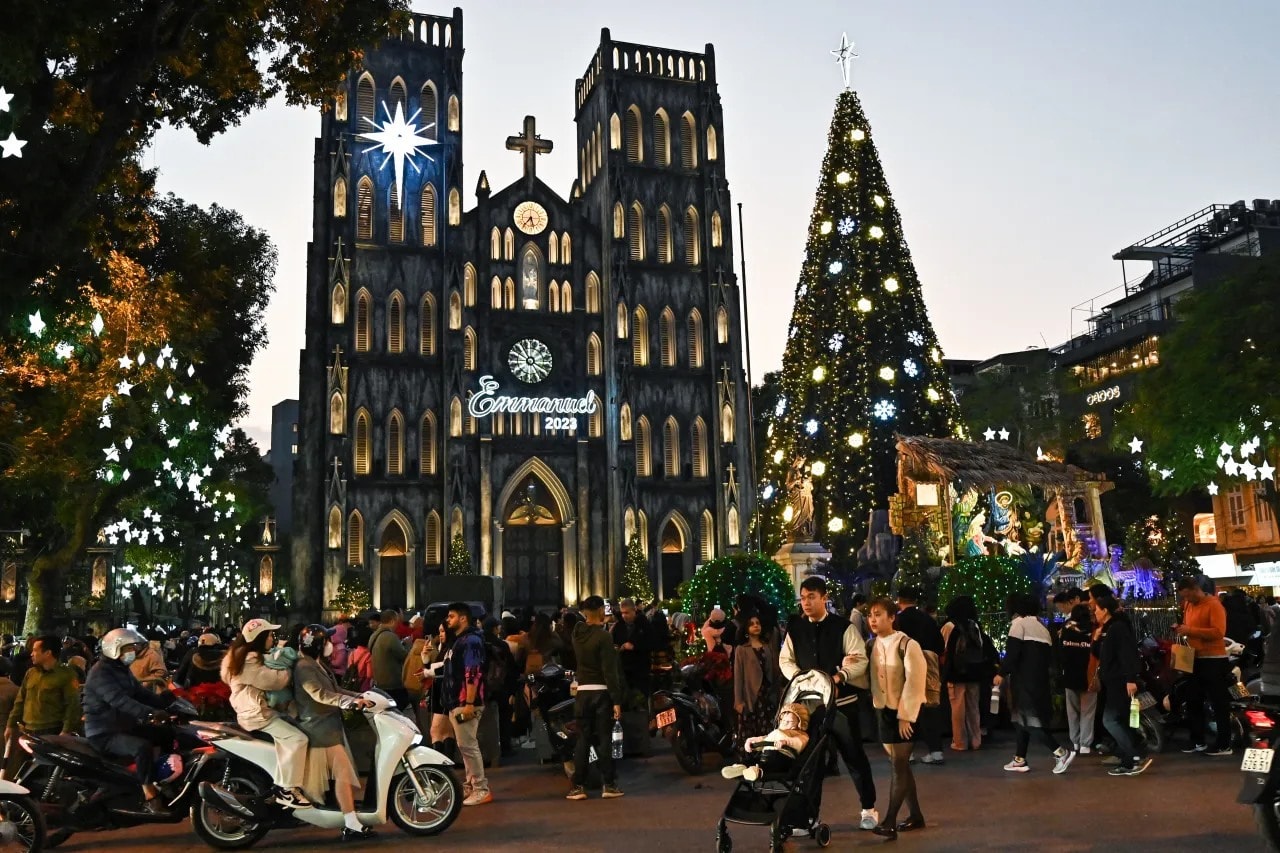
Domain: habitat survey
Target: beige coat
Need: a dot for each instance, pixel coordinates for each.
(892, 684)
(249, 690)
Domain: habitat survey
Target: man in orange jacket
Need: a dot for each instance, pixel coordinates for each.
(1204, 624)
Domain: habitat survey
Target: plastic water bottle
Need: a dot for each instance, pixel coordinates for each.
(1135, 713)
(995, 699)
(617, 739)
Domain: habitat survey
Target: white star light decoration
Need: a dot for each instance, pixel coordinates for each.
(1135, 446)
(11, 147)
(844, 58)
(401, 140)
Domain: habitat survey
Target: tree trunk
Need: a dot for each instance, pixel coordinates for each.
(48, 568)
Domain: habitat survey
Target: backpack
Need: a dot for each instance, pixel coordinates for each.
(968, 656)
(497, 670)
(933, 674)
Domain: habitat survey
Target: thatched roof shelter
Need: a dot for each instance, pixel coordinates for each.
(972, 465)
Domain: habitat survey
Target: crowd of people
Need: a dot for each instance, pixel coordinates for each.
(891, 661)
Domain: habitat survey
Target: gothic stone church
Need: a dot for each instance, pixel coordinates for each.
(544, 376)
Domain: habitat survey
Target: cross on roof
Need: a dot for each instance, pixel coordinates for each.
(532, 145)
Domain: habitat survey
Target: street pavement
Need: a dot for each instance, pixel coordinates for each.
(1184, 802)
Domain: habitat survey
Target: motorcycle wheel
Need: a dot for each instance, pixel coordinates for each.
(222, 830)
(1152, 733)
(430, 818)
(688, 755)
(1267, 817)
(22, 827)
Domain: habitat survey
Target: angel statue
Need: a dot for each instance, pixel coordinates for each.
(800, 501)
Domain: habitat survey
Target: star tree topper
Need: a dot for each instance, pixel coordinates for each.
(400, 139)
(844, 58)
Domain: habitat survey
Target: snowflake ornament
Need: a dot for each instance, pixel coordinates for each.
(910, 368)
(836, 343)
(836, 267)
(915, 339)
(811, 426)
(847, 225)
(884, 410)
(802, 291)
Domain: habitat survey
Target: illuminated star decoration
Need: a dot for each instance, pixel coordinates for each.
(36, 324)
(5, 99)
(1213, 488)
(1266, 471)
(844, 57)
(400, 139)
(11, 147)
(1135, 446)
(989, 434)
(1004, 434)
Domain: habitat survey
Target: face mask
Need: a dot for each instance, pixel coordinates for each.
(128, 658)
(328, 648)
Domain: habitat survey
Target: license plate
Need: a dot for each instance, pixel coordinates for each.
(1257, 760)
(664, 719)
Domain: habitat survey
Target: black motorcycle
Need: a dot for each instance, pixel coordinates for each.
(550, 694)
(692, 719)
(78, 789)
(1262, 775)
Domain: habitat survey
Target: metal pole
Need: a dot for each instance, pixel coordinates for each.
(751, 417)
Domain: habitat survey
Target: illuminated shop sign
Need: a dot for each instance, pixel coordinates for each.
(1105, 395)
(487, 401)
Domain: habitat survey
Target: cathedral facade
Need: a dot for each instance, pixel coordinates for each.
(539, 377)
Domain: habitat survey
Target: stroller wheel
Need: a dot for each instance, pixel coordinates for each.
(822, 834)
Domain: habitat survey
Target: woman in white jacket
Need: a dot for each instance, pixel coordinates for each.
(898, 671)
(244, 668)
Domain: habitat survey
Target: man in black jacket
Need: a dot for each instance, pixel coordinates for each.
(820, 640)
(598, 704)
(631, 636)
(923, 628)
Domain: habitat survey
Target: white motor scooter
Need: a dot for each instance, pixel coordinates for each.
(22, 827)
(410, 781)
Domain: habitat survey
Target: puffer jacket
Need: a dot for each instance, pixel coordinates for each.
(114, 701)
(249, 690)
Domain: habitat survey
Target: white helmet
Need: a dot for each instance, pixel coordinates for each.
(118, 640)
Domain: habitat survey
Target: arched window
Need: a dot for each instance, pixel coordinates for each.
(427, 444)
(615, 133)
(455, 311)
(395, 444)
(433, 539)
(337, 414)
(566, 298)
(428, 215)
(692, 237)
(699, 447)
(355, 539)
(360, 447)
(509, 293)
(455, 417)
(396, 97)
(635, 143)
(362, 321)
(455, 523)
(455, 207)
(722, 325)
(734, 534)
(708, 537)
(553, 248)
(469, 349)
(366, 103)
(642, 530)
(667, 337)
(340, 107)
(624, 422)
(427, 326)
(495, 243)
(623, 317)
(335, 527)
(619, 221)
(695, 338)
(635, 223)
(688, 142)
(628, 525)
(640, 337)
(713, 147)
(364, 209)
(595, 358)
(530, 278)
(661, 139)
(395, 324)
(644, 464)
(664, 235)
(593, 293)
(495, 293)
(509, 244)
(428, 101)
(595, 423)
(338, 306)
(717, 230)
(455, 114)
(671, 448)
(726, 424)
(469, 285)
(340, 197)
(553, 297)
(395, 217)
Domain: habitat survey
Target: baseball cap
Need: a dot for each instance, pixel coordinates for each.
(254, 627)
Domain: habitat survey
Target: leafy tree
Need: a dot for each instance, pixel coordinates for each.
(1160, 544)
(635, 573)
(1022, 399)
(459, 557)
(722, 580)
(353, 595)
(862, 362)
(1215, 390)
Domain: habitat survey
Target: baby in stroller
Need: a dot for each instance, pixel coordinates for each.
(777, 749)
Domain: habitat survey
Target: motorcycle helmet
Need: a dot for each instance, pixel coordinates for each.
(312, 639)
(119, 639)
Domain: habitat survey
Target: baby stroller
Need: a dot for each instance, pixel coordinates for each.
(791, 800)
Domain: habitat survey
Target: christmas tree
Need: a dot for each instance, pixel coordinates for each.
(459, 557)
(635, 573)
(862, 362)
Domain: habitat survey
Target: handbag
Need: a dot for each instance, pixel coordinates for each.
(1184, 657)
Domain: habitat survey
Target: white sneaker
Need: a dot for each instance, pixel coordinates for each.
(870, 817)
(1018, 765)
(478, 798)
(934, 758)
(1084, 750)
(1063, 757)
(732, 771)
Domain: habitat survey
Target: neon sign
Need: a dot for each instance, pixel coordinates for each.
(487, 401)
(1106, 395)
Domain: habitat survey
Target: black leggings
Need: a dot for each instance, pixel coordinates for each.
(1024, 739)
(902, 785)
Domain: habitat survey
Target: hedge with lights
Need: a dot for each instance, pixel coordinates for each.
(989, 580)
(862, 361)
(720, 581)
